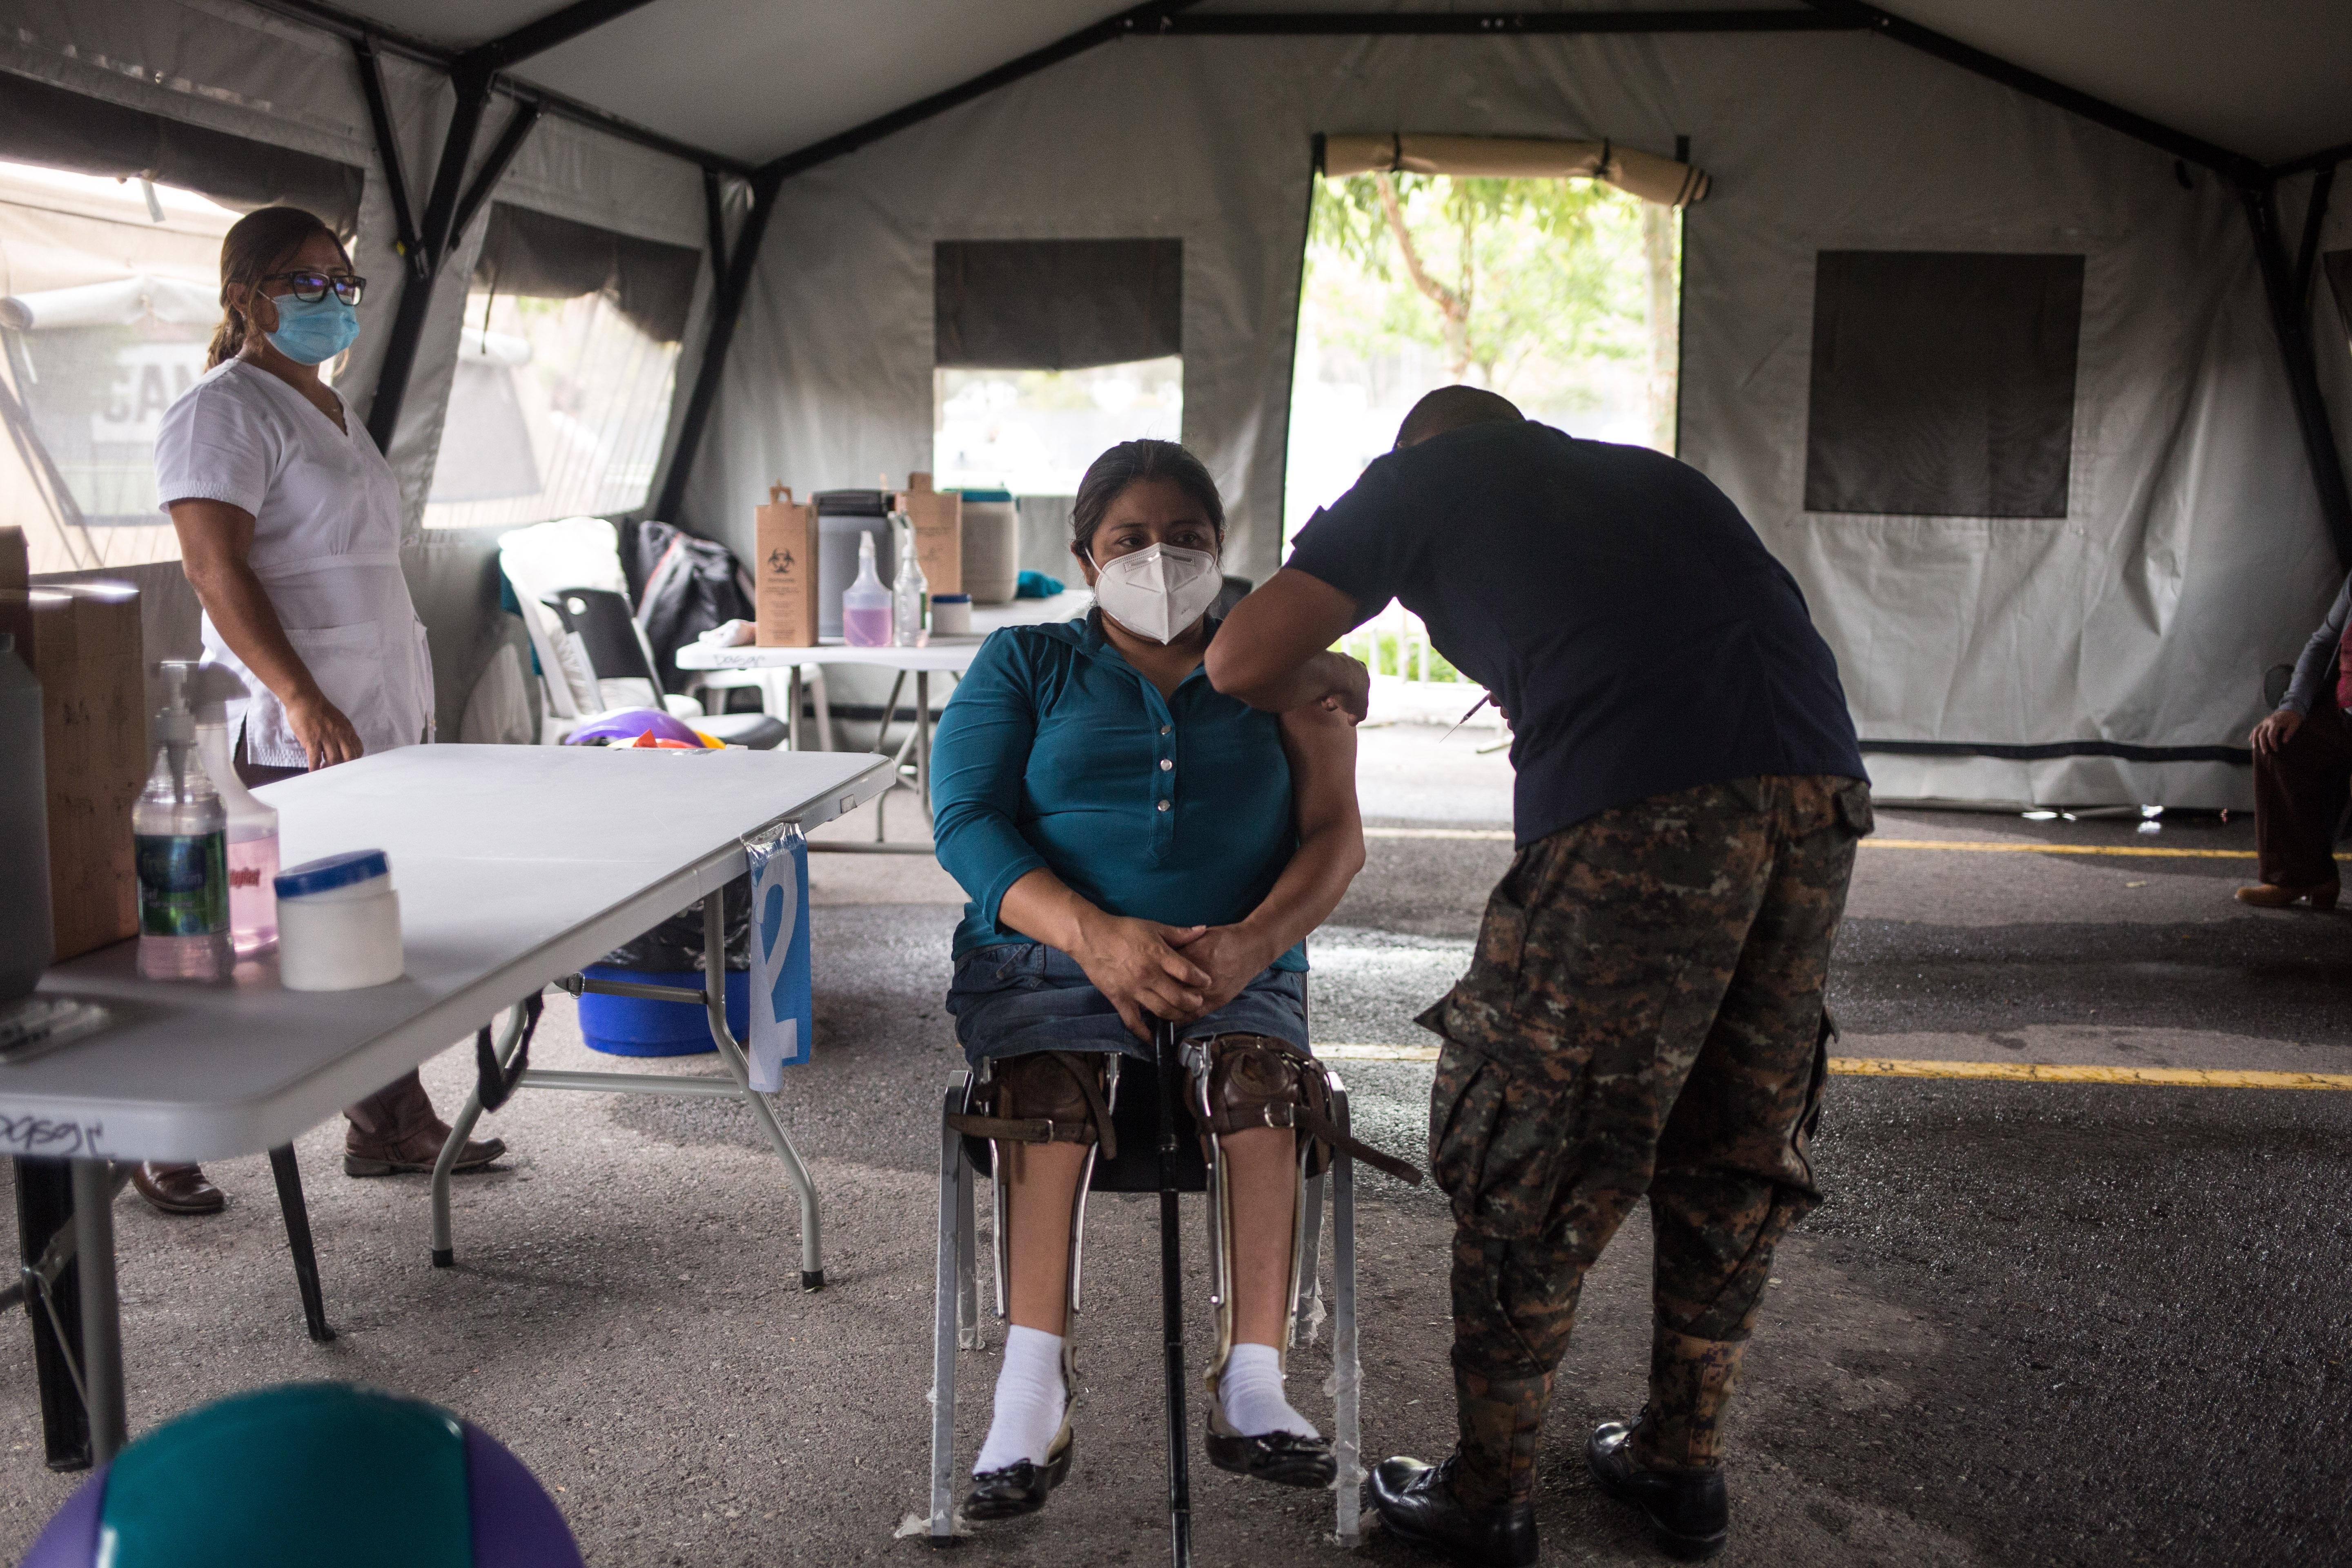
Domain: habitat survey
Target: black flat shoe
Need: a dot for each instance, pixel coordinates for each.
(1282, 1458)
(1688, 1511)
(1018, 1489)
(1416, 1504)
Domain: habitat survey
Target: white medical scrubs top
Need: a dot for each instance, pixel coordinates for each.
(326, 546)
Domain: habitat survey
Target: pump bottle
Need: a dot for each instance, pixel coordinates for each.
(252, 826)
(180, 836)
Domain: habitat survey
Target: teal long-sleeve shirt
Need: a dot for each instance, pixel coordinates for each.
(1055, 751)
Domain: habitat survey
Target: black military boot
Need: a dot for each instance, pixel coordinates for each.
(1668, 1461)
(1689, 1514)
(1417, 1504)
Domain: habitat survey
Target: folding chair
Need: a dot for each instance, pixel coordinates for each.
(1159, 1151)
(618, 651)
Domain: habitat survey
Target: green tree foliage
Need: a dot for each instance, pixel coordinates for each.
(1516, 283)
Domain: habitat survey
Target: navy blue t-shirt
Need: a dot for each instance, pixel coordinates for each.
(1616, 603)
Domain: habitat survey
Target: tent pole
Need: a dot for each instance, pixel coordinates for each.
(726, 306)
(2291, 319)
(424, 260)
(2315, 212)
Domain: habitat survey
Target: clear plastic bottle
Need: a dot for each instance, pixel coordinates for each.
(180, 833)
(910, 595)
(866, 603)
(252, 840)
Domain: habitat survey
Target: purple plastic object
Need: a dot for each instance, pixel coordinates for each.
(71, 1539)
(628, 724)
(515, 1523)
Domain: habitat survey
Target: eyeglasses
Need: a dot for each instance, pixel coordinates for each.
(312, 287)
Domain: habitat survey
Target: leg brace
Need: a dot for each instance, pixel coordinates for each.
(1235, 1083)
(1045, 1096)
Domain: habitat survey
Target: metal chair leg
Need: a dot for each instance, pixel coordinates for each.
(298, 1241)
(1346, 1371)
(1309, 1312)
(53, 1302)
(969, 1334)
(947, 1307)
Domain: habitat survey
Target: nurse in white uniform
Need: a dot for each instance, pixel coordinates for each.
(289, 520)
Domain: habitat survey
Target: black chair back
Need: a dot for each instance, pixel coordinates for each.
(608, 633)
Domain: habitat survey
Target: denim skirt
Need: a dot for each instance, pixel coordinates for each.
(1024, 996)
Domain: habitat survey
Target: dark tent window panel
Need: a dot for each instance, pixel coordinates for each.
(1943, 384)
(1056, 304)
(49, 125)
(549, 257)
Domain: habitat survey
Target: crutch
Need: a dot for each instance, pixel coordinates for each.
(1165, 1045)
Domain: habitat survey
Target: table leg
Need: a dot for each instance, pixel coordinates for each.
(714, 1002)
(298, 1241)
(101, 1317)
(792, 708)
(45, 1213)
(923, 742)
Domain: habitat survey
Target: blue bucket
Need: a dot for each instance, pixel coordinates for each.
(631, 1026)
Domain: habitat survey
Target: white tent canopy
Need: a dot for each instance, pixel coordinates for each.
(2108, 646)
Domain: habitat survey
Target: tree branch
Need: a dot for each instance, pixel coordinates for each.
(1450, 305)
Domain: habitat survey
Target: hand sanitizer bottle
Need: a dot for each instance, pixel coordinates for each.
(866, 603)
(910, 595)
(180, 835)
(252, 826)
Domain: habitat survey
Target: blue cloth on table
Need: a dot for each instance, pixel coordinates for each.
(1054, 752)
(1024, 996)
(1035, 586)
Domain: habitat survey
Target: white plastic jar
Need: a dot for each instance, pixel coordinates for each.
(339, 924)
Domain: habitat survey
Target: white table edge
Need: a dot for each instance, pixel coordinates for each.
(63, 1127)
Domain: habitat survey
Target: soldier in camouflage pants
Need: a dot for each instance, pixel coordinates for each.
(1643, 1016)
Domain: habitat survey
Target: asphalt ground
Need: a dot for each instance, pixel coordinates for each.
(2064, 1322)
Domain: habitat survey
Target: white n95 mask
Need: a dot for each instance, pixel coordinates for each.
(1159, 591)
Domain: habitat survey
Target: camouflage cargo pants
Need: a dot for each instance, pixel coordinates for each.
(1643, 1016)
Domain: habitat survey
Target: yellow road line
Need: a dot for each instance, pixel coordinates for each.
(1961, 846)
(2022, 1072)
(2050, 1072)
(1485, 833)
(1982, 846)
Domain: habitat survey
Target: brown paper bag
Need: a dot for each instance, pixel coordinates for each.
(938, 517)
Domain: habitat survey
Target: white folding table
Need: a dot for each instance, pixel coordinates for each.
(950, 655)
(515, 865)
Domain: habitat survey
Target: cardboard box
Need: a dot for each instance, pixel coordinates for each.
(82, 643)
(784, 575)
(938, 517)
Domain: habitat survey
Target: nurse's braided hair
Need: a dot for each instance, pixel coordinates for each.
(256, 246)
(1132, 462)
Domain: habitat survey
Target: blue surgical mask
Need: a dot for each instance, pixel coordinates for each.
(315, 330)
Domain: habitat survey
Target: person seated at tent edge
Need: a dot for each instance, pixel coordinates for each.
(2303, 771)
(1137, 846)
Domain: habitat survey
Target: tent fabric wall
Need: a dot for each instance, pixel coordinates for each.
(2192, 555)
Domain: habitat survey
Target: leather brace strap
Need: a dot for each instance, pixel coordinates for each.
(1290, 1090)
(1081, 1072)
(1021, 1128)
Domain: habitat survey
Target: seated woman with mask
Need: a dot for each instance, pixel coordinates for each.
(1137, 846)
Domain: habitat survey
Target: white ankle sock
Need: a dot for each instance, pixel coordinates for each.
(1251, 1388)
(1030, 1400)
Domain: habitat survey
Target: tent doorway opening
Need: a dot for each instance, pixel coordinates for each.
(1563, 295)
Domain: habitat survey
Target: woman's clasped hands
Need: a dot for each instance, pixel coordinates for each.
(1176, 972)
